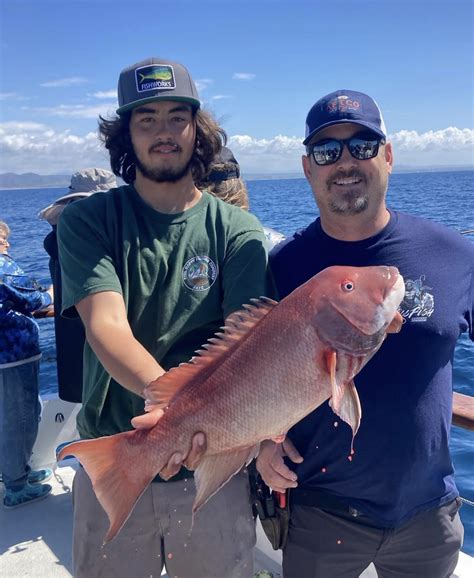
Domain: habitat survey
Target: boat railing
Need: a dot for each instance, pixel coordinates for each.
(463, 410)
(463, 405)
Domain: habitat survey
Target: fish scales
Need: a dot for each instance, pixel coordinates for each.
(271, 366)
(250, 391)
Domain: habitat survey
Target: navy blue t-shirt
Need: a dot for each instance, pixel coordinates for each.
(401, 463)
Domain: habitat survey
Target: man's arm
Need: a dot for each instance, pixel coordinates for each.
(129, 363)
(110, 336)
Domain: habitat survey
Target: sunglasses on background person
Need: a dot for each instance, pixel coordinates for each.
(361, 146)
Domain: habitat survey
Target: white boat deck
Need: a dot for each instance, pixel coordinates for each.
(35, 540)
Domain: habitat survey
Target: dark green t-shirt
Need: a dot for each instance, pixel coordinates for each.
(180, 276)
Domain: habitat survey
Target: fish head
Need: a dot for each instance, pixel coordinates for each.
(354, 307)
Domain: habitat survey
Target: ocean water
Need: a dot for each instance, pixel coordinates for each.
(285, 205)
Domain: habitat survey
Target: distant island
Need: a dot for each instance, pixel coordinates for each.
(35, 181)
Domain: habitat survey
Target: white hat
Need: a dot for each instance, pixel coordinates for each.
(92, 180)
(83, 184)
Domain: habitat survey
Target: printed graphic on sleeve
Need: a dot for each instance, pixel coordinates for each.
(199, 273)
(418, 302)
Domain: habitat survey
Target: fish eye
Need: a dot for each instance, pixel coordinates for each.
(347, 286)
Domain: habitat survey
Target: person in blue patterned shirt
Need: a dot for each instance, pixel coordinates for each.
(20, 296)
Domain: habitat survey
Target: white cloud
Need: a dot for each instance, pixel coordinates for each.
(36, 147)
(62, 82)
(76, 110)
(448, 138)
(13, 96)
(82, 111)
(449, 146)
(203, 83)
(104, 94)
(220, 96)
(276, 155)
(243, 76)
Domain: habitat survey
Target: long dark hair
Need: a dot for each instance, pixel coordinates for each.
(115, 134)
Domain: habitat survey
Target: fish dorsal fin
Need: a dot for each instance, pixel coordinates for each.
(237, 326)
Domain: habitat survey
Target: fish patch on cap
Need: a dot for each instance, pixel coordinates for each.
(155, 77)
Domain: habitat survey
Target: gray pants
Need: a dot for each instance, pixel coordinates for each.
(158, 533)
(329, 545)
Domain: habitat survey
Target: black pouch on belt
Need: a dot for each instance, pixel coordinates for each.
(272, 508)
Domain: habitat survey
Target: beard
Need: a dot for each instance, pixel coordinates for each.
(163, 175)
(353, 200)
(351, 203)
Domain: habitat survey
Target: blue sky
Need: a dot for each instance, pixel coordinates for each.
(259, 66)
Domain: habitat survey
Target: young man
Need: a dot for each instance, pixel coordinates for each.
(392, 501)
(153, 269)
(20, 408)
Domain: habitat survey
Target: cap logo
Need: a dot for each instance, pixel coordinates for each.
(343, 104)
(155, 77)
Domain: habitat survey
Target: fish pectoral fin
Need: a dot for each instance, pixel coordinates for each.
(215, 471)
(348, 408)
(337, 389)
(344, 397)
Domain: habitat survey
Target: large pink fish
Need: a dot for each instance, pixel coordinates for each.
(271, 366)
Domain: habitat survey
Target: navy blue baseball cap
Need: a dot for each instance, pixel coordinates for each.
(155, 79)
(343, 106)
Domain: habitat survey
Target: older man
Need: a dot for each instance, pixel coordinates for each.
(392, 500)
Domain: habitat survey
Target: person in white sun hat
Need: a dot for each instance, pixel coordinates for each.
(69, 333)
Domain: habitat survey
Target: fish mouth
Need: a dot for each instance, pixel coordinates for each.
(396, 324)
(385, 318)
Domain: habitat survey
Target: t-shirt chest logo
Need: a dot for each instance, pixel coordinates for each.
(199, 273)
(418, 302)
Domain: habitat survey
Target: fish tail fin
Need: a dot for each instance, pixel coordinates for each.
(118, 474)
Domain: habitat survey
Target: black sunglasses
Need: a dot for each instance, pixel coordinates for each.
(361, 147)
